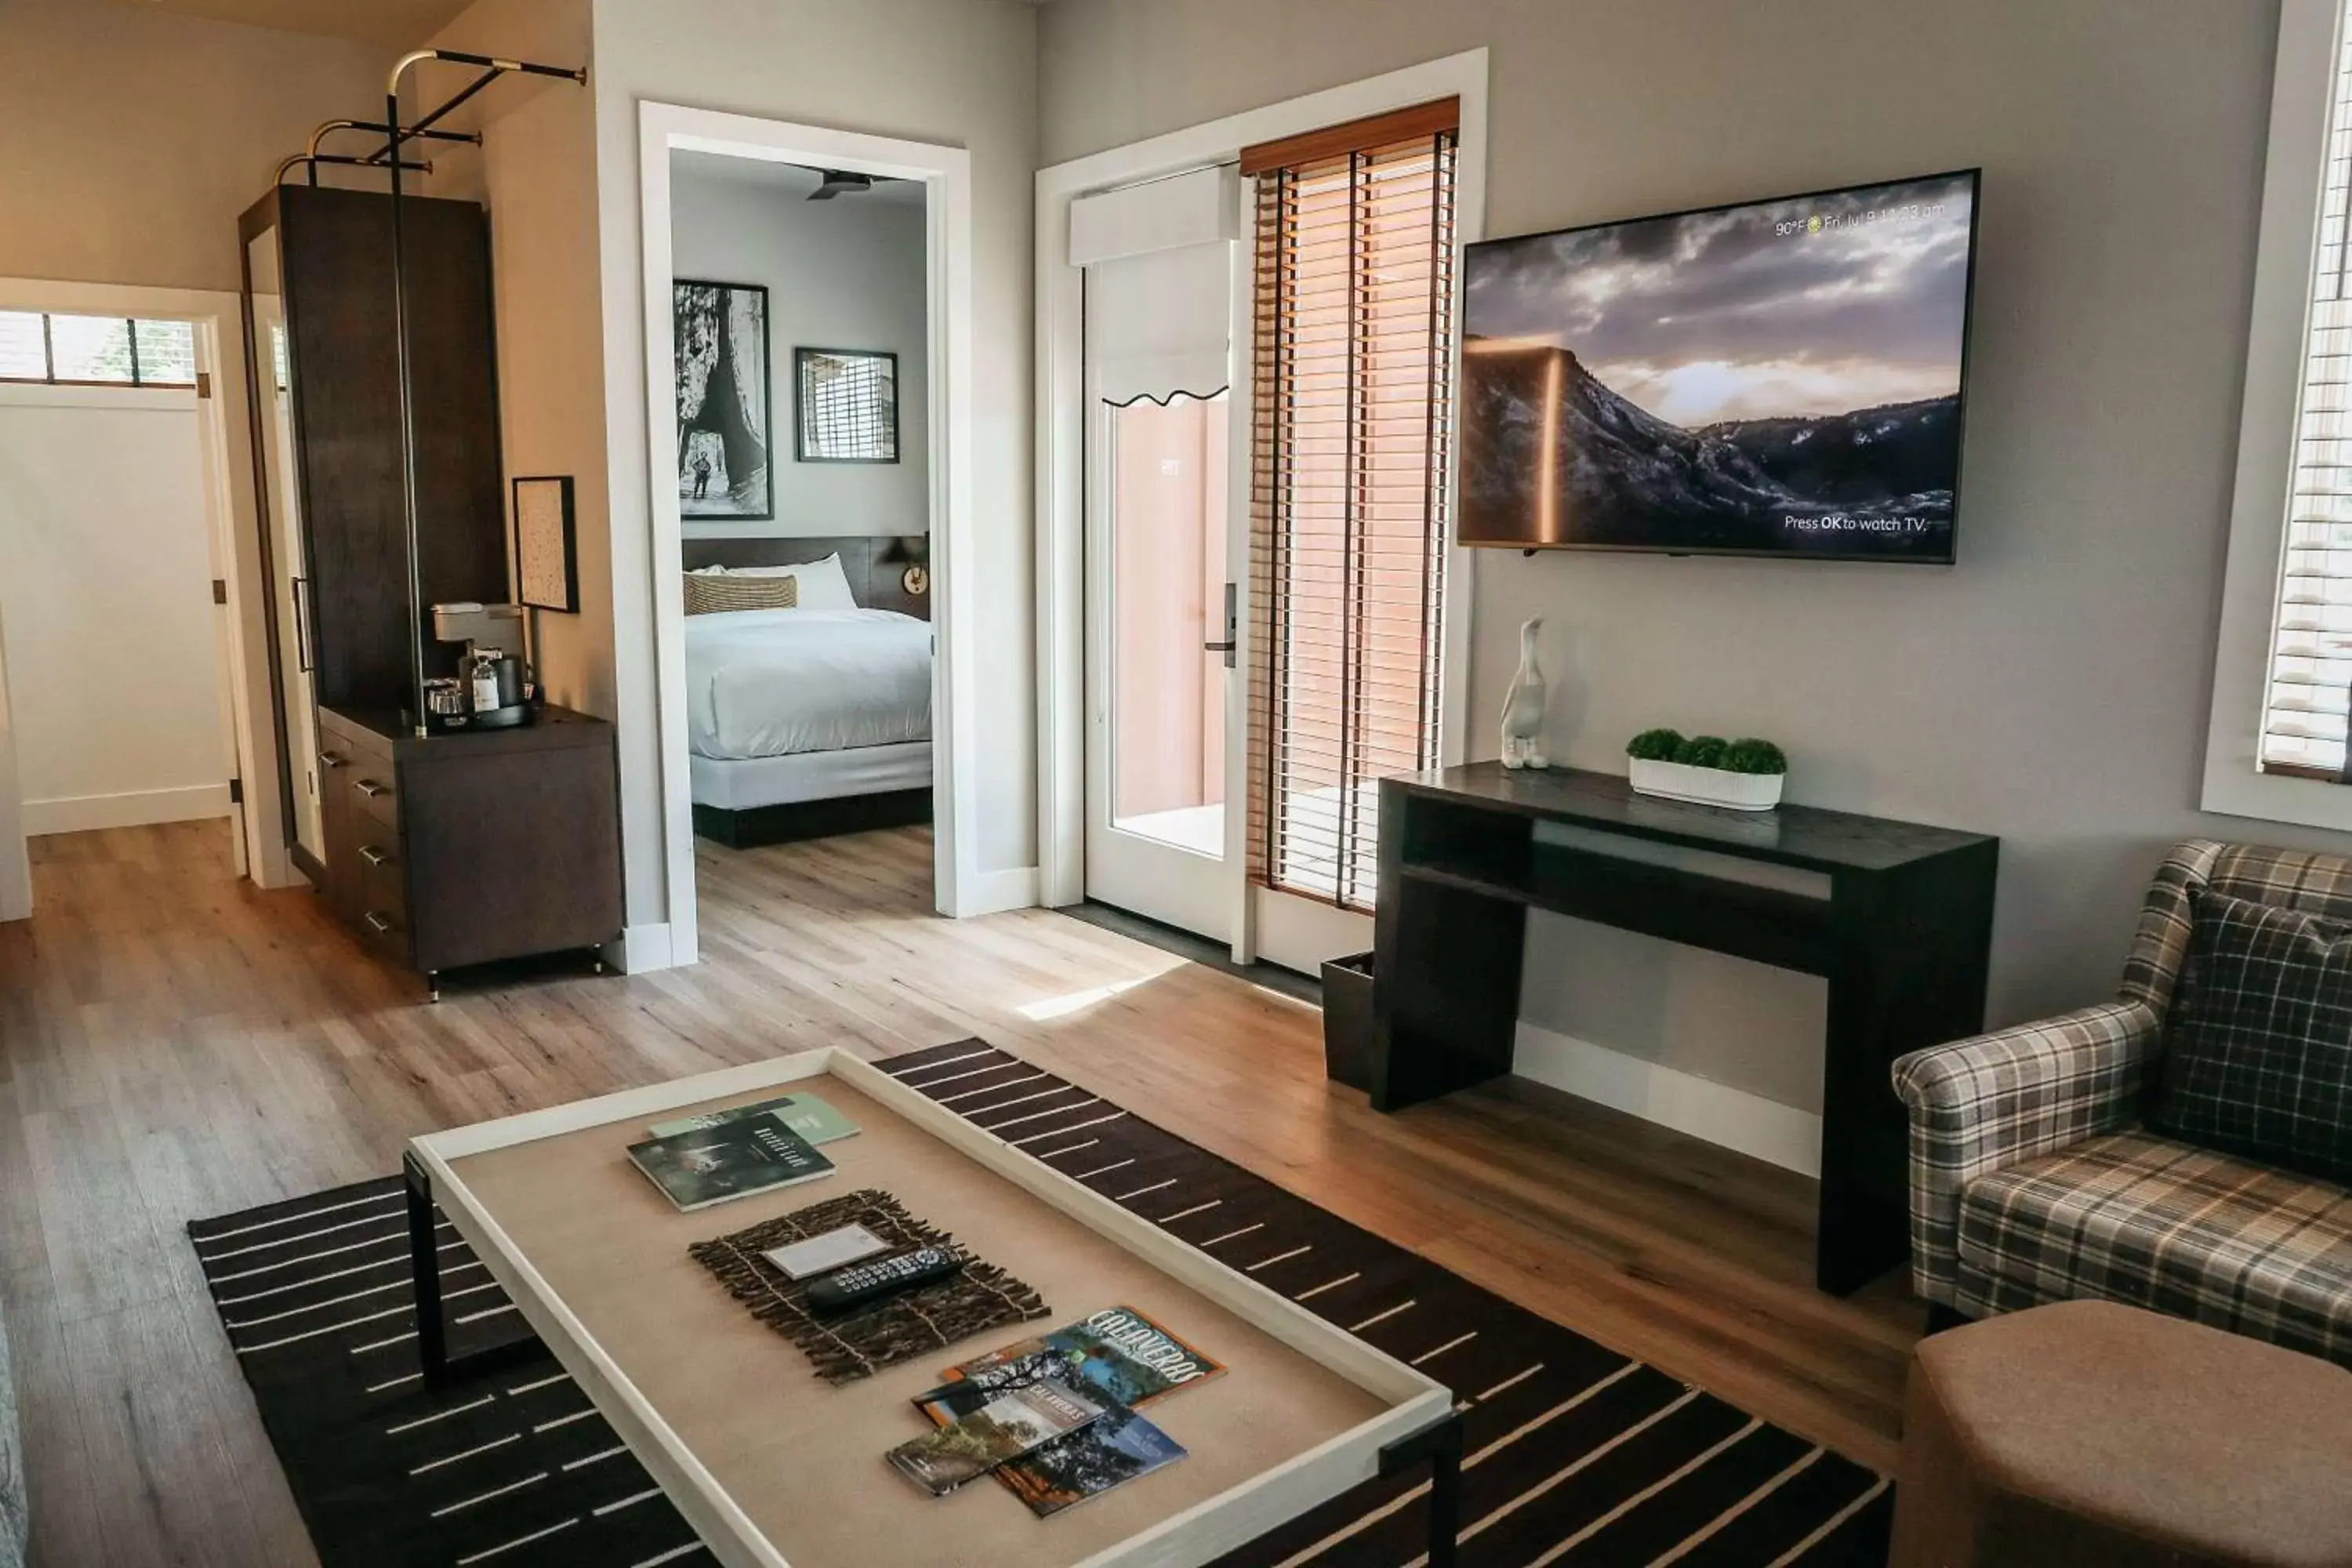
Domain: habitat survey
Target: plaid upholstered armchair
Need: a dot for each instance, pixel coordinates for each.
(2034, 1178)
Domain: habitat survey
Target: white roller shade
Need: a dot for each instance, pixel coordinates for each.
(1159, 260)
(1160, 323)
(1163, 215)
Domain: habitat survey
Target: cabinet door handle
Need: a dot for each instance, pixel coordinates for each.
(372, 789)
(333, 759)
(305, 658)
(373, 856)
(377, 923)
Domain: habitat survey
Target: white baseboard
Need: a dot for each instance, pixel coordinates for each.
(642, 949)
(993, 892)
(134, 808)
(1767, 1129)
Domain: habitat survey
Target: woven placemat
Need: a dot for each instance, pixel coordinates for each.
(980, 1298)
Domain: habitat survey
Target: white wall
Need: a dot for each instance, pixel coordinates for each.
(841, 274)
(106, 605)
(2052, 687)
(959, 72)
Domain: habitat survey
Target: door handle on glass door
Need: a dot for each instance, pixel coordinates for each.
(1233, 632)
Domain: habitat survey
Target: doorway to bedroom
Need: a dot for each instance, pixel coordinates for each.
(801, 335)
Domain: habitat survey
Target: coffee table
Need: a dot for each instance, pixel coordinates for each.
(775, 1468)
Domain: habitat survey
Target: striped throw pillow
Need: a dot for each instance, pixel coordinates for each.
(708, 595)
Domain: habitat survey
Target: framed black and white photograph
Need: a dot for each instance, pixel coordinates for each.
(722, 400)
(849, 405)
(547, 561)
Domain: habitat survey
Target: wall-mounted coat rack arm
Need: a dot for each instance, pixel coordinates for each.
(342, 160)
(492, 68)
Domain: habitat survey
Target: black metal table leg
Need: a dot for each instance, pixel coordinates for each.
(1441, 1446)
(440, 1368)
(425, 1265)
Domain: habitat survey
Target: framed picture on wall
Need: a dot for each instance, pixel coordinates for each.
(721, 333)
(848, 406)
(547, 563)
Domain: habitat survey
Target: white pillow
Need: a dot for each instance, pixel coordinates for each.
(823, 586)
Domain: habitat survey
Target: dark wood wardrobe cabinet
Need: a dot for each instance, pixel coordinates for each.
(333, 256)
(455, 849)
(439, 852)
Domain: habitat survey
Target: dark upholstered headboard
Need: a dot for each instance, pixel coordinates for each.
(873, 563)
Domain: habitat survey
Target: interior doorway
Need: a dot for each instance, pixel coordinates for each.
(830, 459)
(135, 694)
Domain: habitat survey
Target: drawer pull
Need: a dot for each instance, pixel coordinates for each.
(333, 759)
(380, 924)
(373, 855)
(372, 789)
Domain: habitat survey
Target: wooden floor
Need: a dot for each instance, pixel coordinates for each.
(176, 1044)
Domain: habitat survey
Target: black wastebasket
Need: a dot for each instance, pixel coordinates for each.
(1348, 1021)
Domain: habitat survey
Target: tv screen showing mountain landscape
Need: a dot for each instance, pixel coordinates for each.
(1781, 378)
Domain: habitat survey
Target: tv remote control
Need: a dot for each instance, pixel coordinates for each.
(863, 1284)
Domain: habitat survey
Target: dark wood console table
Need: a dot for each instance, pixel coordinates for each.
(1896, 915)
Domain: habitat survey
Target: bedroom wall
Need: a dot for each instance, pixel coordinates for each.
(848, 273)
(131, 137)
(2052, 687)
(961, 72)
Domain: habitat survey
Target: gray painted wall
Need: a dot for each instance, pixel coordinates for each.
(841, 274)
(2052, 687)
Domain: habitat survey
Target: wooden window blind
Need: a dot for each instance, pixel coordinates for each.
(2305, 705)
(1352, 363)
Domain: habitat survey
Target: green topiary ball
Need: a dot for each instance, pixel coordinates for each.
(1654, 746)
(1754, 756)
(1702, 751)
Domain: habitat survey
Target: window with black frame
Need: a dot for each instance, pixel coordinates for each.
(54, 349)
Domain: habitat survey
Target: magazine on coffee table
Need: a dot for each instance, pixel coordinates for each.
(1009, 1425)
(1116, 1355)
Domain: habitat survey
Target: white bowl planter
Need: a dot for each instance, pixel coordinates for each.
(1707, 786)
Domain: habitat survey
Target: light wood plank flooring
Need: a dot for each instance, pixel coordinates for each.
(176, 1044)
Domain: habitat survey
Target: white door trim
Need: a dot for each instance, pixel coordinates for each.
(232, 522)
(1061, 430)
(959, 888)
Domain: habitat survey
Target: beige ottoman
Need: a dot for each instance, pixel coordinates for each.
(2087, 1434)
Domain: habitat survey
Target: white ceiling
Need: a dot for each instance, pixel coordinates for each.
(789, 178)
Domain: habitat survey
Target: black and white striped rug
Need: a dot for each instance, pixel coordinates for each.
(1573, 1454)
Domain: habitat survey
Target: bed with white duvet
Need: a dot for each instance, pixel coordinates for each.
(801, 705)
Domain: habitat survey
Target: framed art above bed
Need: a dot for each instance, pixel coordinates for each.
(723, 435)
(848, 406)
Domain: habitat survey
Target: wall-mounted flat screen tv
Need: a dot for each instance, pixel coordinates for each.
(1779, 378)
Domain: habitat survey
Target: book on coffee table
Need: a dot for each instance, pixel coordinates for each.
(733, 1160)
(806, 1114)
(1009, 1425)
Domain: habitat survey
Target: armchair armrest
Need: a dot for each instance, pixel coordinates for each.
(1980, 1104)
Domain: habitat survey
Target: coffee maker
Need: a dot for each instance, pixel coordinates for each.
(489, 691)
